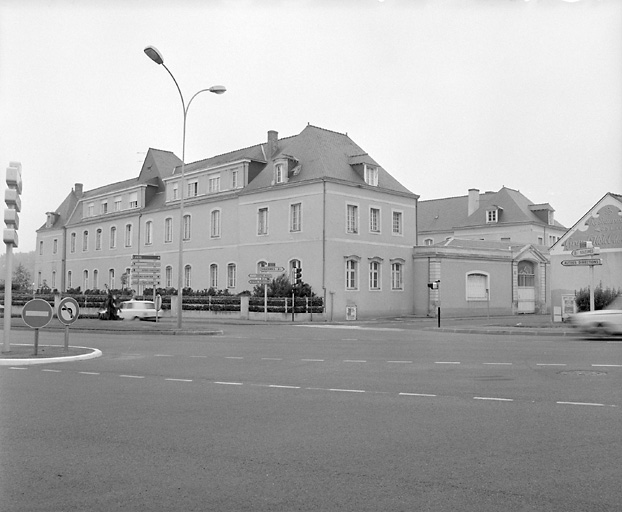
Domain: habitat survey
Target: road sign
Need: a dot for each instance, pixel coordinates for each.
(259, 281)
(146, 257)
(575, 263)
(259, 276)
(37, 313)
(68, 310)
(588, 251)
(272, 269)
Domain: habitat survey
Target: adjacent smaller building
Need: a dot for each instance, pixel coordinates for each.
(480, 278)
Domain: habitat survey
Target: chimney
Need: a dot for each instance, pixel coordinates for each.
(473, 201)
(273, 143)
(78, 189)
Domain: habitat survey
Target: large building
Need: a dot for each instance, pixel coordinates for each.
(315, 201)
(503, 216)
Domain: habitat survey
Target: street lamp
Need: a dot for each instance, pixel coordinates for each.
(153, 53)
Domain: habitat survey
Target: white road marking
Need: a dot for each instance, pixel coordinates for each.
(550, 364)
(493, 398)
(272, 359)
(55, 371)
(198, 356)
(405, 362)
(415, 394)
(180, 380)
(89, 373)
(447, 362)
(499, 364)
(348, 390)
(17, 368)
(608, 365)
(284, 387)
(162, 355)
(133, 376)
(313, 360)
(580, 403)
(233, 357)
(354, 361)
(229, 383)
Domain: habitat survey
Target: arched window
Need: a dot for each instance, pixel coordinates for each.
(352, 278)
(397, 275)
(231, 275)
(477, 286)
(187, 232)
(168, 276)
(95, 280)
(111, 279)
(187, 276)
(526, 277)
(85, 280)
(113, 237)
(148, 232)
(374, 275)
(213, 276)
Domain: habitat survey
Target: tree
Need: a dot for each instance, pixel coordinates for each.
(22, 280)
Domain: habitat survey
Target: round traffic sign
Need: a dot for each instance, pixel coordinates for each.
(68, 310)
(37, 313)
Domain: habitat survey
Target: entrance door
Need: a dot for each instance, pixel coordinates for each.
(526, 287)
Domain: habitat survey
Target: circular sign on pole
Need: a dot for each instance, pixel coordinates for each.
(37, 313)
(68, 310)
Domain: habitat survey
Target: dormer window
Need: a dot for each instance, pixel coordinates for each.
(103, 207)
(90, 209)
(492, 216)
(214, 184)
(371, 175)
(279, 173)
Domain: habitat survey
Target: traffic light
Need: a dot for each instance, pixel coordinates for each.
(298, 275)
(13, 201)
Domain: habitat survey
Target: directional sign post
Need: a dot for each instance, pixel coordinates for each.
(591, 262)
(146, 267)
(37, 313)
(67, 313)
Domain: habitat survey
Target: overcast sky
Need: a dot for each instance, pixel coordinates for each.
(446, 95)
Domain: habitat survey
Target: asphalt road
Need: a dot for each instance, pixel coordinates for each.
(287, 418)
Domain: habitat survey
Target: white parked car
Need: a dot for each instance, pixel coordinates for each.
(142, 309)
(602, 321)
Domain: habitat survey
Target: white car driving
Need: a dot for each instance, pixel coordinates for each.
(602, 321)
(141, 309)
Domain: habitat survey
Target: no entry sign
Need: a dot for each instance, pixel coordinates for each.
(37, 313)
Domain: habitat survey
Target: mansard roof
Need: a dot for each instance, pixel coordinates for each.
(320, 153)
(451, 213)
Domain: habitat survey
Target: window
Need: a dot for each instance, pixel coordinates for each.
(55, 246)
(103, 207)
(168, 230)
(95, 280)
(117, 204)
(187, 221)
(213, 276)
(193, 189)
(278, 173)
(428, 241)
(352, 221)
(90, 209)
(175, 192)
(168, 276)
(397, 276)
(134, 200)
(374, 275)
(213, 184)
(98, 240)
(72, 243)
(371, 175)
(41, 247)
(187, 275)
(128, 235)
(113, 237)
(231, 275)
(235, 179)
(351, 274)
(85, 280)
(148, 232)
(215, 224)
(526, 276)
(85, 241)
(477, 286)
(374, 220)
(262, 221)
(397, 228)
(295, 217)
(491, 216)
(111, 279)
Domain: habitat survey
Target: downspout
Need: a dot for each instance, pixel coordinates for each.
(324, 244)
(63, 262)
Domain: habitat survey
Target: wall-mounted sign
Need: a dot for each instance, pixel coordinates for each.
(603, 229)
(581, 263)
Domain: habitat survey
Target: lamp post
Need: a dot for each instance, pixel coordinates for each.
(153, 53)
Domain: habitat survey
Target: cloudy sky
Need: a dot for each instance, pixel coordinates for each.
(446, 95)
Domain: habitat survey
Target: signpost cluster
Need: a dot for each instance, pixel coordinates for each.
(265, 278)
(587, 251)
(146, 269)
(37, 313)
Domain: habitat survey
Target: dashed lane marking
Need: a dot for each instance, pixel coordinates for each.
(132, 376)
(179, 380)
(493, 398)
(582, 403)
(415, 394)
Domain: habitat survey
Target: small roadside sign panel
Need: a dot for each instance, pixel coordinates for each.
(576, 263)
(68, 310)
(37, 313)
(271, 269)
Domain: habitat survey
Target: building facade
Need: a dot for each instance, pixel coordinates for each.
(595, 238)
(314, 201)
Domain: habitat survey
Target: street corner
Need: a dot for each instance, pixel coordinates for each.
(22, 354)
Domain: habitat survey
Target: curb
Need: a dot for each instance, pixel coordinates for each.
(44, 360)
